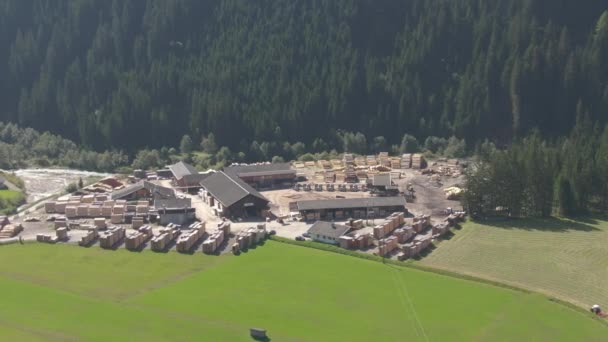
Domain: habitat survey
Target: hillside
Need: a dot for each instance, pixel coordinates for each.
(97, 71)
(296, 293)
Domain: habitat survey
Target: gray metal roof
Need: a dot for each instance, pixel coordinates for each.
(172, 203)
(153, 188)
(351, 203)
(328, 229)
(260, 170)
(228, 189)
(182, 169)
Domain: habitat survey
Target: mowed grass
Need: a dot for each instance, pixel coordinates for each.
(565, 259)
(11, 195)
(298, 294)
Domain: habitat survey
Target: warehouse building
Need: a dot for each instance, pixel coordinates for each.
(327, 232)
(186, 176)
(174, 210)
(263, 176)
(143, 190)
(344, 208)
(229, 196)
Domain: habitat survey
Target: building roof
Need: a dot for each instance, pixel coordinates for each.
(156, 190)
(260, 170)
(328, 229)
(196, 178)
(172, 203)
(351, 203)
(229, 189)
(182, 169)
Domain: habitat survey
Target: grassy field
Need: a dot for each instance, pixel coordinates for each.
(298, 294)
(10, 200)
(11, 195)
(565, 259)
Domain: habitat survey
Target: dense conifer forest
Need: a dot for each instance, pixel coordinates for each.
(129, 74)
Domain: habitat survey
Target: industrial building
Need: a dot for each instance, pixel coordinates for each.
(174, 210)
(186, 176)
(229, 196)
(143, 190)
(263, 176)
(344, 208)
(327, 232)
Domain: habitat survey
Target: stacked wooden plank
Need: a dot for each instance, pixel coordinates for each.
(336, 163)
(361, 175)
(324, 164)
(49, 207)
(384, 160)
(82, 210)
(95, 210)
(117, 218)
(406, 161)
(371, 161)
(441, 229)
(87, 198)
(421, 223)
(137, 222)
(62, 234)
(46, 238)
(60, 222)
(319, 177)
(404, 234)
(395, 163)
(309, 164)
(213, 242)
(346, 242)
(340, 177)
(329, 177)
(70, 211)
(89, 238)
(348, 159)
(358, 224)
(224, 226)
(10, 230)
(189, 238)
(360, 161)
(386, 246)
(418, 161)
(164, 238)
(111, 237)
(135, 240)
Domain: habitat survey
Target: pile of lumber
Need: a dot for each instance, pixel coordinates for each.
(388, 245)
(164, 238)
(360, 161)
(324, 164)
(371, 161)
(406, 161)
(404, 234)
(348, 160)
(136, 239)
(421, 223)
(190, 237)
(412, 249)
(213, 242)
(137, 222)
(251, 237)
(418, 161)
(62, 234)
(10, 230)
(441, 229)
(46, 238)
(88, 239)
(111, 237)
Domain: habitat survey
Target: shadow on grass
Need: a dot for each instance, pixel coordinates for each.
(549, 224)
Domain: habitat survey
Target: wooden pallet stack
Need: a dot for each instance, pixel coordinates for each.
(404, 234)
(111, 237)
(421, 223)
(371, 161)
(137, 222)
(384, 160)
(189, 238)
(388, 245)
(395, 163)
(406, 161)
(418, 161)
(135, 240)
(89, 237)
(213, 242)
(10, 230)
(164, 238)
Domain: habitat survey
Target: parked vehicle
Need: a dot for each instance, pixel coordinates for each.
(300, 238)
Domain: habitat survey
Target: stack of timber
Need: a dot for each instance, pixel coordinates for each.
(46, 238)
(329, 177)
(421, 223)
(137, 222)
(384, 160)
(336, 164)
(404, 234)
(62, 234)
(371, 161)
(361, 175)
(455, 218)
(360, 161)
(100, 223)
(10, 230)
(189, 238)
(89, 238)
(388, 245)
(164, 238)
(340, 177)
(406, 161)
(60, 222)
(346, 242)
(49, 207)
(348, 160)
(135, 240)
(418, 161)
(324, 164)
(111, 237)
(319, 177)
(395, 163)
(441, 229)
(117, 218)
(309, 164)
(214, 241)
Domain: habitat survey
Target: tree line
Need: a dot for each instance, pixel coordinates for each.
(536, 177)
(135, 74)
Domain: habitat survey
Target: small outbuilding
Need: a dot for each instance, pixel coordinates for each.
(327, 232)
